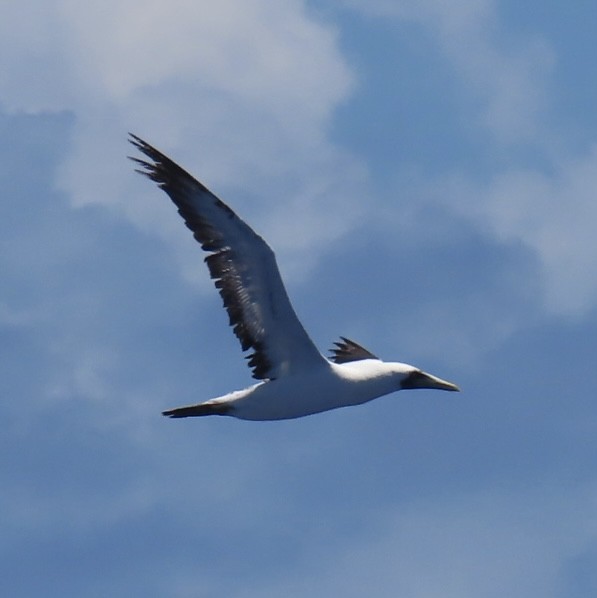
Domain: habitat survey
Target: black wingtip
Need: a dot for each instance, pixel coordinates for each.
(200, 410)
(139, 143)
(171, 413)
(136, 140)
(144, 147)
(347, 350)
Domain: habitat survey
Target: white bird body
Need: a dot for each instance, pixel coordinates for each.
(320, 389)
(297, 380)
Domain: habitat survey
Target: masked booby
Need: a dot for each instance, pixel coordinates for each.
(295, 379)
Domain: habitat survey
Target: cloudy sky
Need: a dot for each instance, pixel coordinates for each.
(427, 174)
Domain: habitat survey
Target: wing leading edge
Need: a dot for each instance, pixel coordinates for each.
(244, 269)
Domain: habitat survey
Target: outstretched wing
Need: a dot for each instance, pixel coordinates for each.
(348, 350)
(244, 269)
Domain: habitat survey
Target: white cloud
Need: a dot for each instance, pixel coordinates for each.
(267, 52)
(553, 214)
(477, 545)
(505, 75)
(492, 545)
(548, 217)
(241, 92)
(550, 210)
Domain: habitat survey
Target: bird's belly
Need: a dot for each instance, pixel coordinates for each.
(289, 398)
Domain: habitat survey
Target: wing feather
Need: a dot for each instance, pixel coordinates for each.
(244, 269)
(347, 350)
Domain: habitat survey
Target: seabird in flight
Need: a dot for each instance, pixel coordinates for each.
(295, 379)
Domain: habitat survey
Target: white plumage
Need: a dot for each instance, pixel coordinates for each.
(296, 379)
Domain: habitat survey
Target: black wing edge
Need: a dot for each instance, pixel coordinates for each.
(347, 350)
(162, 170)
(174, 180)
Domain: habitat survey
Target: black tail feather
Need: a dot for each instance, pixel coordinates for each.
(198, 410)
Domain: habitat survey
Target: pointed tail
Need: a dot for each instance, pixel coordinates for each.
(198, 410)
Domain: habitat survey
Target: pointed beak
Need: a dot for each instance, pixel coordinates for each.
(434, 382)
(425, 380)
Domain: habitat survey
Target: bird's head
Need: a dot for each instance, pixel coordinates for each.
(411, 377)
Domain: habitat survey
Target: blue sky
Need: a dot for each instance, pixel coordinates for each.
(426, 172)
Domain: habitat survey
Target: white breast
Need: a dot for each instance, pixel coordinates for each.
(337, 385)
